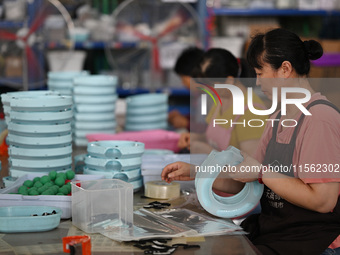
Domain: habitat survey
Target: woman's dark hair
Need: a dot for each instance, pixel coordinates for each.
(279, 45)
(218, 63)
(188, 60)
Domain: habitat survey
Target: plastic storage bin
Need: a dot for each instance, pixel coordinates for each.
(102, 205)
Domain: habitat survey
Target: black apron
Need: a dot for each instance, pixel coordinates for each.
(283, 228)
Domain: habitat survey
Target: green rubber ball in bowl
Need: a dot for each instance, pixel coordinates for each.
(70, 175)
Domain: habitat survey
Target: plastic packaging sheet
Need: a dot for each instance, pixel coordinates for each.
(149, 225)
(202, 224)
(171, 223)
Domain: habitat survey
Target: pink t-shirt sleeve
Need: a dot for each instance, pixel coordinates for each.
(317, 152)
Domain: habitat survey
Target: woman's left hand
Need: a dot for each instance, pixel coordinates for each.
(247, 171)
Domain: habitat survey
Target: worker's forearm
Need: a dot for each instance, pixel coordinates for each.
(228, 185)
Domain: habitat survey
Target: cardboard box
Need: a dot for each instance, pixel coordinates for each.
(330, 46)
(13, 67)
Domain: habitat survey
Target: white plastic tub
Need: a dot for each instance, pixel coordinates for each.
(62, 202)
(66, 60)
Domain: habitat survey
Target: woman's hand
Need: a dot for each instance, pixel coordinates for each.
(178, 171)
(177, 120)
(184, 141)
(247, 171)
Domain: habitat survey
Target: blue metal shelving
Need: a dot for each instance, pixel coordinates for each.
(11, 24)
(175, 91)
(102, 45)
(273, 12)
(171, 91)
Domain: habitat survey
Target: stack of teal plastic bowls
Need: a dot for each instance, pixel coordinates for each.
(39, 132)
(63, 81)
(94, 99)
(5, 99)
(146, 111)
(116, 160)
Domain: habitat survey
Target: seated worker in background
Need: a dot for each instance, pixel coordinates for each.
(300, 207)
(184, 68)
(219, 66)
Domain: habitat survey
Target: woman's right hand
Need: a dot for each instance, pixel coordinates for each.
(178, 171)
(184, 141)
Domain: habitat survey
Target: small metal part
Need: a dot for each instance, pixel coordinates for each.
(166, 204)
(192, 246)
(170, 251)
(162, 240)
(155, 203)
(180, 244)
(158, 207)
(157, 242)
(148, 206)
(143, 247)
(157, 247)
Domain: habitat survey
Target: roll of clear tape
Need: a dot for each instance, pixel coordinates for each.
(225, 207)
(162, 190)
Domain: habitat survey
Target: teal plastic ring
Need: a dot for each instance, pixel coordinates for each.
(225, 207)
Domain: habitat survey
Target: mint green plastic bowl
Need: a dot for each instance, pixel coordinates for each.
(15, 219)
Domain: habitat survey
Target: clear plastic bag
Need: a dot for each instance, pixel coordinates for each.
(202, 224)
(149, 225)
(171, 223)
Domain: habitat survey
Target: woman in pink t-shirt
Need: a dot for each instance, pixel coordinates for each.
(300, 207)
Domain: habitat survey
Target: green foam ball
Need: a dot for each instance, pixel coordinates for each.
(63, 190)
(33, 192)
(68, 187)
(28, 183)
(55, 188)
(52, 175)
(61, 174)
(24, 192)
(48, 184)
(60, 181)
(36, 179)
(47, 192)
(42, 189)
(70, 175)
(38, 184)
(45, 179)
(22, 189)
